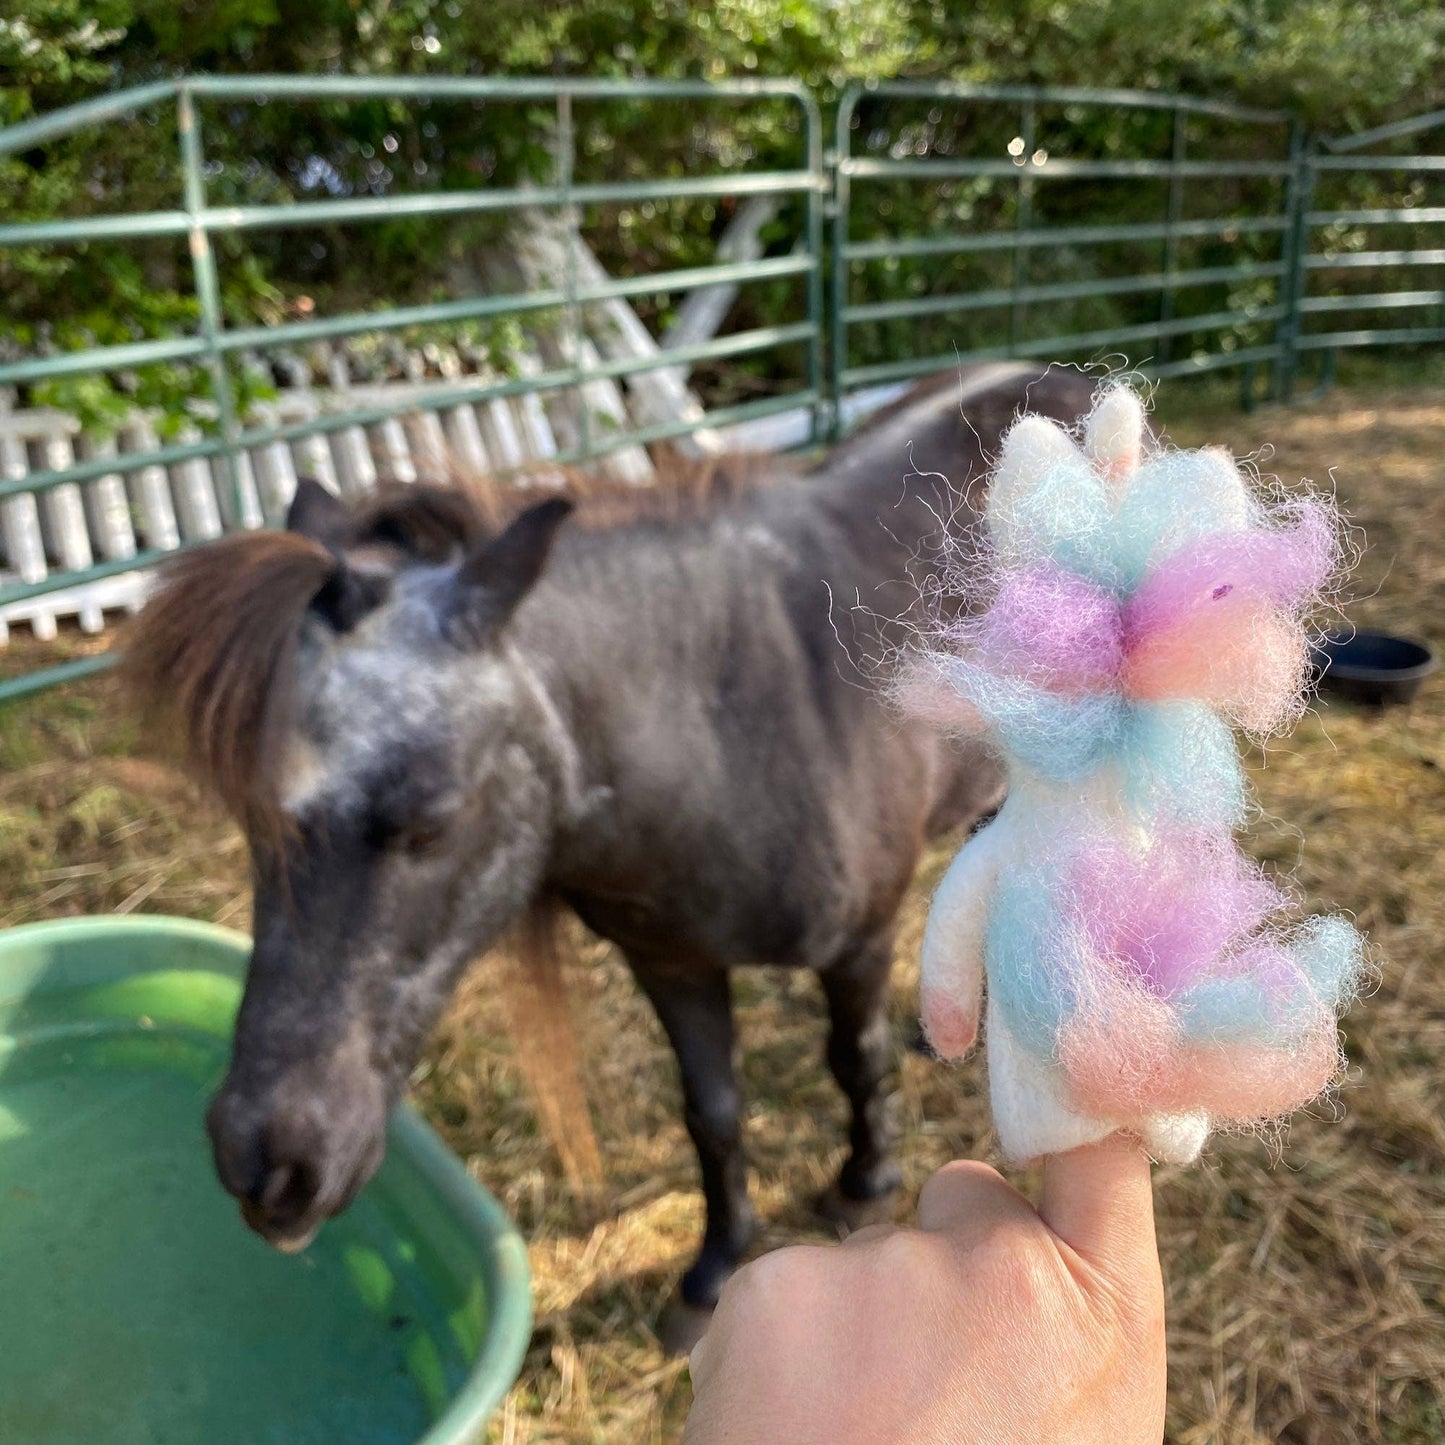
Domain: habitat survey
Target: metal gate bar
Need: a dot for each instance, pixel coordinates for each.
(1329, 161)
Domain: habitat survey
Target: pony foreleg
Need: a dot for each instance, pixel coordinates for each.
(695, 1009)
(860, 1055)
(953, 941)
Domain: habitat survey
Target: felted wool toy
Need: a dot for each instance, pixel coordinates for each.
(1133, 606)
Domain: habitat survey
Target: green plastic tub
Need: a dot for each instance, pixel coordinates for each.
(137, 1309)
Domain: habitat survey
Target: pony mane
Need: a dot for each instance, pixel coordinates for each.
(684, 489)
(428, 521)
(211, 661)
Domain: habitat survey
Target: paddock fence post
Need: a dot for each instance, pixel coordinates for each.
(1299, 191)
(208, 292)
(838, 196)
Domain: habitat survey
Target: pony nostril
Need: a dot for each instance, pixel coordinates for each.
(289, 1191)
(277, 1183)
(293, 1173)
(283, 1211)
(294, 1151)
(273, 1167)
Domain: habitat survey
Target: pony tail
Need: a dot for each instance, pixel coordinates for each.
(547, 1050)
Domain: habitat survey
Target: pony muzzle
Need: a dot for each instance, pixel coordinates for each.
(293, 1162)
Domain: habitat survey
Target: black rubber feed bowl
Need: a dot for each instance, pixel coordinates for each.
(1373, 667)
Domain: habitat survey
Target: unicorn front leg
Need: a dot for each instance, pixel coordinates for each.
(953, 942)
(1030, 1110)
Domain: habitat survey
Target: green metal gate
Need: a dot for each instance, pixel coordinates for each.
(1365, 199)
(1185, 259)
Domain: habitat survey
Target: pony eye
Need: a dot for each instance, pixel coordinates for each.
(420, 840)
(415, 840)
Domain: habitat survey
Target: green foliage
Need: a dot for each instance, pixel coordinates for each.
(57, 45)
(1338, 63)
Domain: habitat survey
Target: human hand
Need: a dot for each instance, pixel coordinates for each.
(991, 1323)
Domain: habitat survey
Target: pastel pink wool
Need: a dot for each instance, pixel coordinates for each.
(1141, 974)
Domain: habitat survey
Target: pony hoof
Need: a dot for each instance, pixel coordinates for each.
(682, 1325)
(850, 1214)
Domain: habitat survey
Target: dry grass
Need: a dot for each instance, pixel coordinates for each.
(1306, 1282)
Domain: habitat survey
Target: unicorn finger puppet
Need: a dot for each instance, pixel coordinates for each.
(1132, 606)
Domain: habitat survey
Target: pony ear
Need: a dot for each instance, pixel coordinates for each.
(316, 513)
(498, 573)
(348, 594)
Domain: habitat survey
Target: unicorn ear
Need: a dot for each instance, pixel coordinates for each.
(1033, 447)
(1114, 434)
(316, 513)
(498, 573)
(1034, 451)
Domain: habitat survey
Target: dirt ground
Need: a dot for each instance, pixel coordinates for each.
(1306, 1276)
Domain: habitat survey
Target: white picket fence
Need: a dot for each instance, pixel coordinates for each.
(157, 508)
(154, 508)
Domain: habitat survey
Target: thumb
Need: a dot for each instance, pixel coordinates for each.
(1099, 1200)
